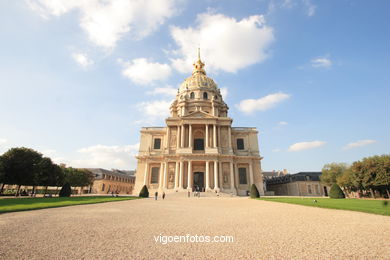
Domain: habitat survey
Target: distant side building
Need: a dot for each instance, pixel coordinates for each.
(298, 184)
(108, 181)
(267, 175)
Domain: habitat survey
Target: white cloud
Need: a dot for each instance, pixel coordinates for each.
(321, 62)
(226, 44)
(143, 72)
(105, 22)
(103, 156)
(82, 59)
(305, 145)
(157, 108)
(261, 104)
(166, 91)
(359, 143)
(281, 123)
(224, 92)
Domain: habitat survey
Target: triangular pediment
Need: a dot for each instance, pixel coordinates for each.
(199, 114)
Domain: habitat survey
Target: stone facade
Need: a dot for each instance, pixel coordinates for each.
(108, 181)
(199, 149)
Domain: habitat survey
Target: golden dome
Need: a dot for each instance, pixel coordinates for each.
(198, 79)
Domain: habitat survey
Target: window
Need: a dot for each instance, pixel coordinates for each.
(242, 175)
(198, 144)
(103, 186)
(157, 143)
(192, 95)
(205, 95)
(240, 144)
(309, 188)
(155, 173)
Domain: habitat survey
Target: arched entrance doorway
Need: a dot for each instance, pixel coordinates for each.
(199, 181)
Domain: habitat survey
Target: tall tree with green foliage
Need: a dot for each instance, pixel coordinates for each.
(20, 166)
(2, 175)
(48, 174)
(346, 181)
(78, 177)
(332, 171)
(372, 173)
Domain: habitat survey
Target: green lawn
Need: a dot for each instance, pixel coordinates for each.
(381, 207)
(20, 204)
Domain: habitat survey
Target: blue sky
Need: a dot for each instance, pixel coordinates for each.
(78, 79)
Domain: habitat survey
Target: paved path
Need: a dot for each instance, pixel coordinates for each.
(126, 230)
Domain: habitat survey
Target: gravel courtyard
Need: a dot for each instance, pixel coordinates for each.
(126, 230)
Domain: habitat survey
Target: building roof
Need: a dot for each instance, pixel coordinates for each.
(98, 172)
(300, 176)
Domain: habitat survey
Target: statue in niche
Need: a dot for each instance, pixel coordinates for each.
(225, 177)
(171, 176)
(172, 142)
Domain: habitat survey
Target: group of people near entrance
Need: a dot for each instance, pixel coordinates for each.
(196, 193)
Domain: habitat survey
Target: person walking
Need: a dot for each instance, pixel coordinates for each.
(163, 195)
(189, 194)
(155, 195)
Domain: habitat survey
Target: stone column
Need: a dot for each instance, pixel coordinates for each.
(189, 183)
(220, 174)
(237, 175)
(214, 136)
(168, 137)
(216, 174)
(181, 175)
(178, 137)
(231, 176)
(250, 173)
(230, 137)
(165, 175)
(207, 136)
(182, 136)
(207, 176)
(160, 175)
(177, 175)
(190, 136)
(219, 136)
(146, 173)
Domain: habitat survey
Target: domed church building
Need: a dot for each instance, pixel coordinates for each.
(198, 149)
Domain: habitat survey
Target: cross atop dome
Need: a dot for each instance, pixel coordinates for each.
(198, 66)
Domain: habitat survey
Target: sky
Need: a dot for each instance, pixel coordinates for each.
(78, 79)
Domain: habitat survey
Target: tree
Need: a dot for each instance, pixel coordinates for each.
(78, 177)
(2, 175)
(254, 192)
(144, 193)
(346, 181)
(66, 190)
(372, 173)
(332, 171)
(336, 192)
(383, 175)
(48, 174)
(20, 166)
